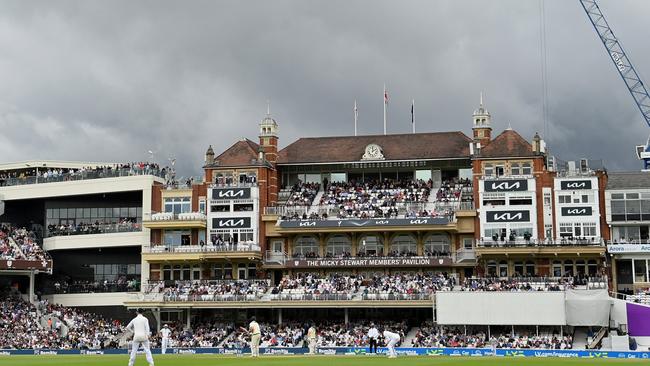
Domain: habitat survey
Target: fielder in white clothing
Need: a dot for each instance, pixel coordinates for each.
(391, 340)
(165, 332)
(312, 339)
(255, 332)
(140, 328)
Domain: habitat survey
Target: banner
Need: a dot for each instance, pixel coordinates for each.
(575, 184)
(507, 216)
(231, 193)
(509, 185)
(231, 222)
(576, 211)
(355, 351)
(628, 248)
(370, 262)
(420, 221)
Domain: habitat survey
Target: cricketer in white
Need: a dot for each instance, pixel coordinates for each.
(140, 328)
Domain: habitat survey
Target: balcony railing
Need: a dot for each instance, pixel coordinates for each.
(587, 282)
(224, 248)
(273, 257)
(404, 211)
(384, 296)
(491, 243)
(183, 291)
(301, 296)
(209, 297)
(89, 229)
(465, 255)
(170, 216)
(631, 241)
(76, 176)
(88, 288)
(234, 185)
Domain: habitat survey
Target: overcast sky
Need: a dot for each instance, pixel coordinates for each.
(110, 80)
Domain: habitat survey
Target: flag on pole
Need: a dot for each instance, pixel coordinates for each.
(413, 115)
(385, 105)
(356, 117)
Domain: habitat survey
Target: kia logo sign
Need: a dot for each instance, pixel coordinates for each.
(231, 193)
(568, 185)
(576, 211)
(507, 216)
(516, 185)
(231, 222)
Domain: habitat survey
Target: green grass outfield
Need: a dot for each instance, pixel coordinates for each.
(213, 360)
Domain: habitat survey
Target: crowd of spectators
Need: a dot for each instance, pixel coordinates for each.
(376, 199)
(212, 290)
(516, 284)
(397, 286)
(452, 190)
(373, 198)
(24, 247)
(429, 335)
(84, 330)
(201, 335)
(7, 250)
(302, 194)
(123, 225)
(313, 284)
(23, 326)
(409, 285)
(19, 328)
(285, 335)
(122, 284)
(46, 175)
(332, 334)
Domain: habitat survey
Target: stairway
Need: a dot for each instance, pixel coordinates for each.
(597, 338)
(410, 336)
(315, 204)
(580, 338)
(13, 243)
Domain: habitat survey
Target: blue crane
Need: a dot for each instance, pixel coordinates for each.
(625, 69)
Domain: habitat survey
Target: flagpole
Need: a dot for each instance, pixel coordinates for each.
(413, 114)
(385, 104)
(356, 117)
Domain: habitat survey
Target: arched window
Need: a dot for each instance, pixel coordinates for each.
(592, 266)
(371, 245)
(519, 269)
(503, 269)
(491, 268)
(530, 269)
(338, 245)
(568, 268)
(437, 245)
(403, 245)
(305, 247)
(557, 269)
(581, 268)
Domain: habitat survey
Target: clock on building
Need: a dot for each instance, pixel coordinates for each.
(373, 152)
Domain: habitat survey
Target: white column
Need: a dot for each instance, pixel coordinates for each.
(31, 286)
(156, 315)
(279, 316)
(189, 313)
(347, 316)
(146, 233)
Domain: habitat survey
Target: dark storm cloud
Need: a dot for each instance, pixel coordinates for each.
(110, 80)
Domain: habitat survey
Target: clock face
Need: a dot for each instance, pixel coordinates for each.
(373, 152)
